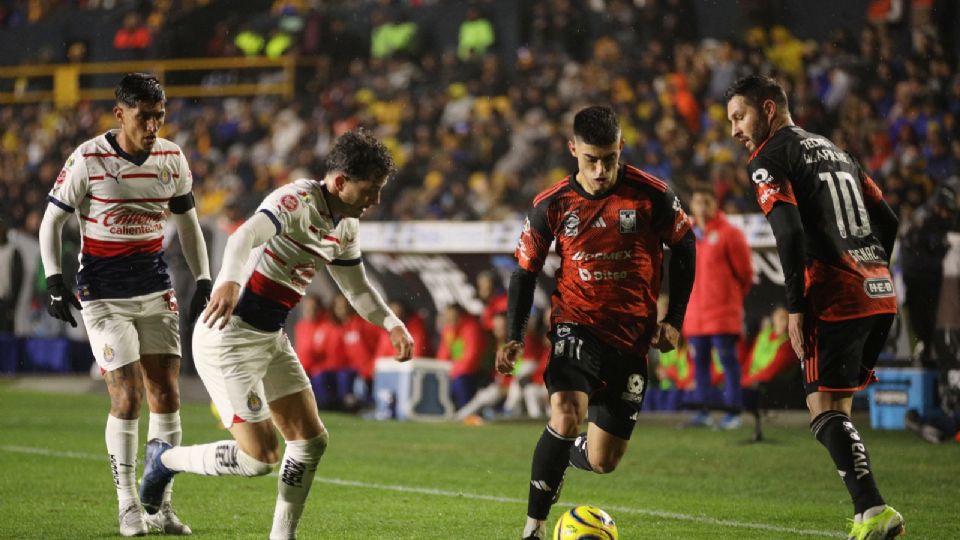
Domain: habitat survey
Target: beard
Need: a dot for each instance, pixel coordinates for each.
(761, 133)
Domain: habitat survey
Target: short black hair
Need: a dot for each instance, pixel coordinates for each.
(756, 89)
(597, 125)
(360, 156)
(136, 87)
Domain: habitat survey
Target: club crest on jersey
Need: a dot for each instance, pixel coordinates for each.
(571, 224)
(108, 354)
(254, 403)
(676, 204)
(290, 202)
(164, 177)
(628, 221)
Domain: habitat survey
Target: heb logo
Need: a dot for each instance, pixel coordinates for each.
(122, 216)
(878, 287)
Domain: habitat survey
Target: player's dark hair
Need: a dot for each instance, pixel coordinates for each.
(597, 125)
(756, 89)
(136, 87)
(360, 156)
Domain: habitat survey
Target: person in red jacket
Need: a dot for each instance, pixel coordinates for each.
(422, 342)
(715, 313)
(463, 342)
(313, 335)
(360, 340)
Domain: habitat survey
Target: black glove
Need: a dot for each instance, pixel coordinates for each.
(199, 301)
(61, 298)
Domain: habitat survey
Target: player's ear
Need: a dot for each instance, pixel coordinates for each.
(572, 147)
(622, 142)
(769, 109)
(340, 181)
(118, 113)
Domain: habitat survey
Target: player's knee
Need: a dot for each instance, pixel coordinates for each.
(318, 445)
(125, 402)
(251, 466)
(566, 423)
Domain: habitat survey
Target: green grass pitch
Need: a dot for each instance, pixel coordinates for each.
(405, 480)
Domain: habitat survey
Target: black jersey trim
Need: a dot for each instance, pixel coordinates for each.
(583, 193)
(137, 160)
(273, 218)
(63, 206)
(346, 262)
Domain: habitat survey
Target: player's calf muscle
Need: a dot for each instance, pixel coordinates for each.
(125, 387)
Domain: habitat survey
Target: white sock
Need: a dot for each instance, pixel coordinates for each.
(166, 427)
(121, 438)
(222, 458)
(534, 527)
(873, 511)
(299, 465)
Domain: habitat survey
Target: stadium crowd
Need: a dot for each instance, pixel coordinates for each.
(477, 131)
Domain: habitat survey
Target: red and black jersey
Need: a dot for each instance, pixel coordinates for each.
(611, 250)
(846, 266)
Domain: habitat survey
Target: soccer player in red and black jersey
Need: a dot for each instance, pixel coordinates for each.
(609, 222)
(834, 235)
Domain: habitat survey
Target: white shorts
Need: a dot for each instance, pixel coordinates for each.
(121, 330)
(244, 369)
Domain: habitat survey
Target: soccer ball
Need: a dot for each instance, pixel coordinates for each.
(585, 523)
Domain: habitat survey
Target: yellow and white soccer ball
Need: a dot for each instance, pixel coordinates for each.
(585, 523)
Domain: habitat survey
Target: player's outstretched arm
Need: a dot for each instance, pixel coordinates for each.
(523, 285)
(61, 297)
(255, 231)
(352, 280)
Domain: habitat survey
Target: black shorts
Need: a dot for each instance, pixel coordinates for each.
(614, 379)
(841, 354)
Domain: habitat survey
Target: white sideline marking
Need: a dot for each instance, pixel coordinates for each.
(480, 497)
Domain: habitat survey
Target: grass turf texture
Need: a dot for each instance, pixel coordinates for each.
(406, 480)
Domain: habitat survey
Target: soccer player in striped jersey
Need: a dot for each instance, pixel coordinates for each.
(609, 222)
(243, 355)
(120, 186)
(834, 235)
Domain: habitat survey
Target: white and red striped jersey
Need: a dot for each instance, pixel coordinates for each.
(308, 237)
(121, 202)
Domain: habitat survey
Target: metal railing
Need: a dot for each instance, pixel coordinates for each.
(68, 84)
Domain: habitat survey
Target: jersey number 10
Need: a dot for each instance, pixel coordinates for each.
(849, 198)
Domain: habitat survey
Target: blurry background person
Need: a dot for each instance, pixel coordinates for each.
(770, 355)
(464, 343)
(11, 280)
(715, 314)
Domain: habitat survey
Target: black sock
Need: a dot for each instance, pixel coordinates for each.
(578, 454)
(550, 460)
(836, 431)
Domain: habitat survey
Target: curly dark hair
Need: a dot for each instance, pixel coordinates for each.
(360, 156)
(136, 87)
(597, 125)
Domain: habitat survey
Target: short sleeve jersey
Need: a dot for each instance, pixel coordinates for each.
(846, 266)
(611, 252)
(308, 237)
(120, 201)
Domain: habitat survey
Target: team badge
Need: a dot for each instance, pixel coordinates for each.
(571, 224)
(254, 403)
(676, 204)
(108, 353)
(628, 221)
(164, 177)
(62, 177)
(290, 202)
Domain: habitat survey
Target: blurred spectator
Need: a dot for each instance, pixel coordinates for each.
(311, 335)
(360, 340)
(476, 35)
(493, 295)
(11, 280)
(714, 320)
(249, 41)
(464, 343)
(392, 34)
(922, 250)
(133, 37)
(770, 356)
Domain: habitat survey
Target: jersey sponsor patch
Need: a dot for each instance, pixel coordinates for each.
(761, 176)
(878, 287)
